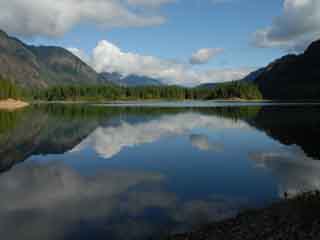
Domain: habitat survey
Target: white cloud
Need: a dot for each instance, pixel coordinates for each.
(150, 3)
(204, 55)
(297, 27)
(107, 57)
(54, 18)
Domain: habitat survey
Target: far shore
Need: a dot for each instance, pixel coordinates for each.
(126, 101)
(12, 104)
(132, 102)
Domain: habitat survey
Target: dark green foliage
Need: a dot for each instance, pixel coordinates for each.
(113, 92)
(236, 90)
(238, 113)
(8, 120)
(8, 90)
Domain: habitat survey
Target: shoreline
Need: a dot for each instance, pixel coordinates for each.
(147, 101)
(12, 104)
(178, 103)
(296, 218)
(124, 101)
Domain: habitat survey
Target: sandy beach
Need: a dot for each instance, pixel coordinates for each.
(12, 104)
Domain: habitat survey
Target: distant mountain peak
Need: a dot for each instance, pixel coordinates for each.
(130, 80)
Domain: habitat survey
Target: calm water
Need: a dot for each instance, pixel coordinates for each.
(120, 172)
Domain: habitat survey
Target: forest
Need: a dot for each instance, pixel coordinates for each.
(8, 89)
(113, 92)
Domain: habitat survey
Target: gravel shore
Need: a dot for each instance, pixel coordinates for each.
(297, 218)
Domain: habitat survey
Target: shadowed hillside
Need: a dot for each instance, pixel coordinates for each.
(31, 66)
(293, 76)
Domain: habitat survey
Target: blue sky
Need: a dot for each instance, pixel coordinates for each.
(185, 27)
(191, 25)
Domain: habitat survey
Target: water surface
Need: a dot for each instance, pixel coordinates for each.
(136, 172)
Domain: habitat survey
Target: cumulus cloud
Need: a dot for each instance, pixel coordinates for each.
(297, 27)
(54, 18)
(107, 57)
(109, 141)
(150, 3)
(290, 165)
(203, 56)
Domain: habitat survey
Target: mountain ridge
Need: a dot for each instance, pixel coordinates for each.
(32, 66)
(292, 76)
(131, 80)
(41, 66)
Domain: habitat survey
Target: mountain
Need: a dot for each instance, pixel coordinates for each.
(129, 81)
(110, 77)
(43, 66)
(134, 80)
(293, 76)
(207, 85)
(216, 84)
(250, 78)
(254, 75)
(32, 66)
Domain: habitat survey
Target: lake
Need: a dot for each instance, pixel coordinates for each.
(139, 172)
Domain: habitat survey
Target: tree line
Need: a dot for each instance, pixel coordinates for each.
(107, 92)
(113, 92)
(8, 89)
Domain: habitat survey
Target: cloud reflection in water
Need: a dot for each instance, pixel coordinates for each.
(295, 172)
(202, 142)
(52, 201)
(109, 141)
